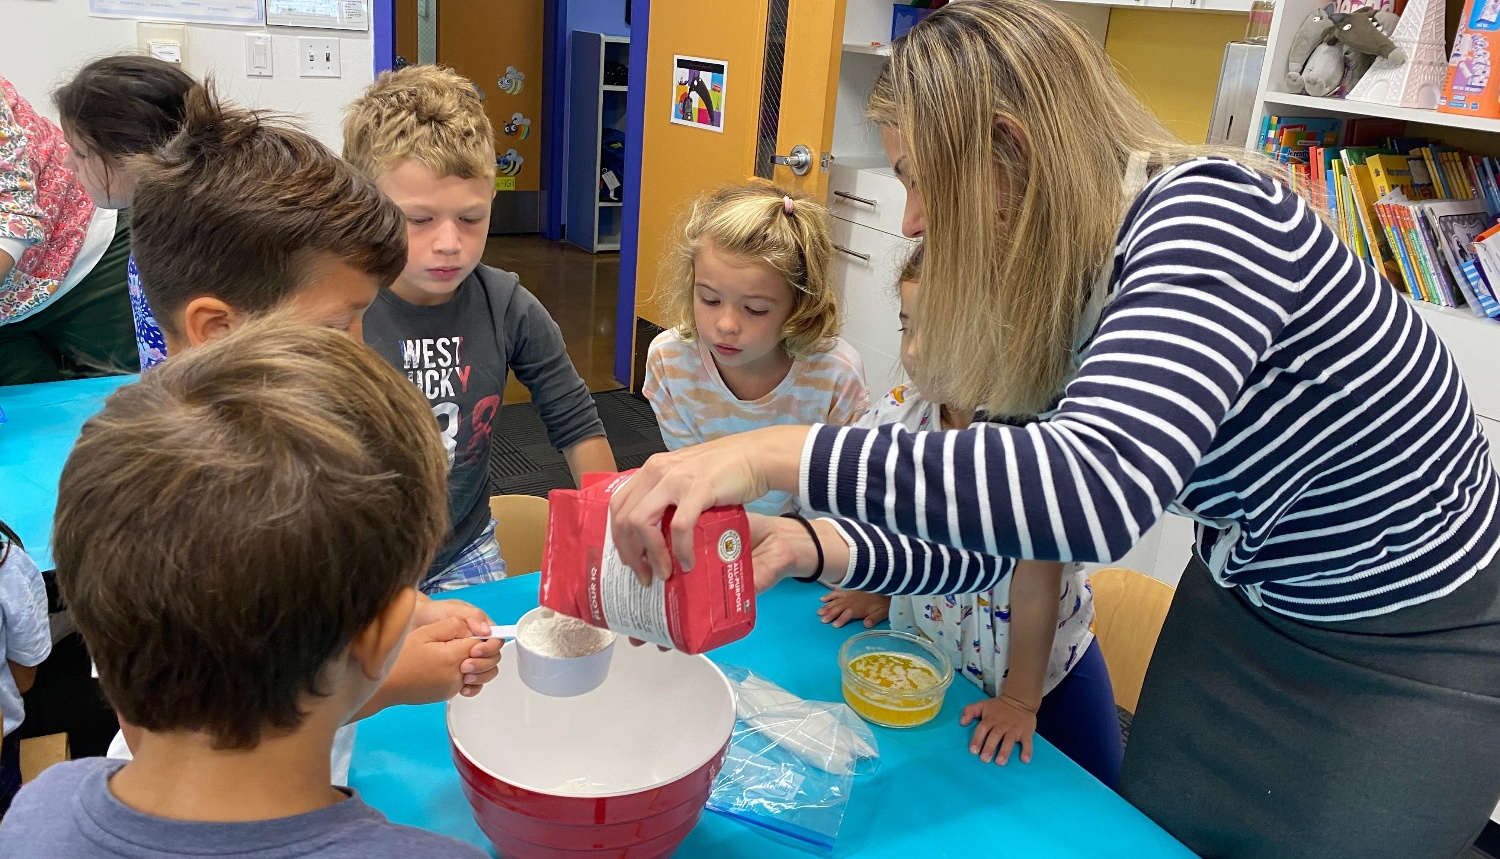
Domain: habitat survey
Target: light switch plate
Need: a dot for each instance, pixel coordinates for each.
(317, 58)
(258, 55)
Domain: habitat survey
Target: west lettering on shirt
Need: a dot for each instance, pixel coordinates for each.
(433, 364)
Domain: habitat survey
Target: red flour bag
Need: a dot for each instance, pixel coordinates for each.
(583, 576)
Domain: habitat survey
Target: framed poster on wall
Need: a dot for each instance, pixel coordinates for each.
(698, 96)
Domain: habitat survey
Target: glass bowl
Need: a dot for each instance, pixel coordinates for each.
(894, 679)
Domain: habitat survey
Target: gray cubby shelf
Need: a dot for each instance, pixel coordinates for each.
(593, 107)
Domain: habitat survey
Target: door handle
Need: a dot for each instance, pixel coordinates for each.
(799, 160)
(847, 196)
(855, 254)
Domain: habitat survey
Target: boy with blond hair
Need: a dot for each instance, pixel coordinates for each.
(453, 326)
(222, 543)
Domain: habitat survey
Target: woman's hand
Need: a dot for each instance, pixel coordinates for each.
(732, 470)
(1002, 723)
(779, 548)
(841, 607)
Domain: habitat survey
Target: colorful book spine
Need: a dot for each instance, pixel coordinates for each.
(1409, 283)
(1487, 304)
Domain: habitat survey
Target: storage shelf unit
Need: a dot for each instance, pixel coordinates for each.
(1474, 342)
(1343, 107)
(593, 107)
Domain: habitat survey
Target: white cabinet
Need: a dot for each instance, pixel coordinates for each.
(866, 191)
(1474, 343)
(865, 267)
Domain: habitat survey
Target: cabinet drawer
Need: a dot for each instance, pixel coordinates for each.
(869, 196)
(866, 263)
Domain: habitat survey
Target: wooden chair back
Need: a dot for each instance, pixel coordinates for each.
(1129, 609)
(521, 529)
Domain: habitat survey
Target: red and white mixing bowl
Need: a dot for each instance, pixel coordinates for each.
(623, 771)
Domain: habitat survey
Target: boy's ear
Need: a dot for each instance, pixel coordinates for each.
(208, 318)
(375, 646)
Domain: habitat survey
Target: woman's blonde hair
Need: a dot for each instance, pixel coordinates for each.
(751, 224)
(992, 93)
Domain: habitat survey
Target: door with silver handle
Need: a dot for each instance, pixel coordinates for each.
(800, 160)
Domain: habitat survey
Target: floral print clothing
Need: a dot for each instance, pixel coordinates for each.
(974, 629)
(148, 338)
(42, 206)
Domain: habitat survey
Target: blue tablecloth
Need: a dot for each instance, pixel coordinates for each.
(41, 424)
(930, 798)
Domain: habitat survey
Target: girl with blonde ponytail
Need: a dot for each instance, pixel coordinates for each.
(755, 341)
(1191, 337)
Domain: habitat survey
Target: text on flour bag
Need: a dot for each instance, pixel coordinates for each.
(583, 576)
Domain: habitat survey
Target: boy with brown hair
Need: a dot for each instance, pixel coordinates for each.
(222, 541)
(452, 325)
(241, 214)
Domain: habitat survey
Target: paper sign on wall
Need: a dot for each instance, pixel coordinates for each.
(243, 13)
(319, 14)
(698, 98)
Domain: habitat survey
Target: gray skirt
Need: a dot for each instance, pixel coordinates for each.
(1263, 736)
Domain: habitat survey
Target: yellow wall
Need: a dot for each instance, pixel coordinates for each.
(1171, 59)
(679, 162)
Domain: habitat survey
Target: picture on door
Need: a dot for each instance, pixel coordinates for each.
(699, 99)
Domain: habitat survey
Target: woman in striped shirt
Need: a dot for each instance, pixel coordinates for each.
(1328, 680)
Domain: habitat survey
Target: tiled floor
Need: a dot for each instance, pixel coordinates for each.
(578, 289)
(522, 462)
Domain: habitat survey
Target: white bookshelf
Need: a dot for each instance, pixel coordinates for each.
(1474, 342)
(1305, 104)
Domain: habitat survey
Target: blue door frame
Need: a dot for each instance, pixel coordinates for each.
(635, 127)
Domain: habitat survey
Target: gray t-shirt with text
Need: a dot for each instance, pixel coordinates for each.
(457, 353)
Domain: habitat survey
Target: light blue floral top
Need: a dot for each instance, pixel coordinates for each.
(148, 339)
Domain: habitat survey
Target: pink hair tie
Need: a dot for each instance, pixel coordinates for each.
(787, 205)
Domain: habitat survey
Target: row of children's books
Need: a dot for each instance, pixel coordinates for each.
(1424, 214)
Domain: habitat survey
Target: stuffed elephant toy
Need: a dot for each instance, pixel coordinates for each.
(1369, 32)
(1324, 71)
(1315, 30)
(1365, 35)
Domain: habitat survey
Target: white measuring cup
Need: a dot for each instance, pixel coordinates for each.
(555, 676)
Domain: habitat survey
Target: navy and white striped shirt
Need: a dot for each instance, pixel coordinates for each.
(1250, 372)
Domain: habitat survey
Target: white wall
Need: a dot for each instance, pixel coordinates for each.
(47, 40)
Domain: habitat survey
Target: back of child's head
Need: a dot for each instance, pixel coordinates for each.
(226, 525)
(759, 224)
(124, 105)
(911, 270)
(240, 206)
(428, 114)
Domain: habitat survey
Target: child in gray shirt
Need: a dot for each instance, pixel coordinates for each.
(224, 539)
(69, 812)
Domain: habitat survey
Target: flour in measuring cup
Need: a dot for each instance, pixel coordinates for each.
(557, 635)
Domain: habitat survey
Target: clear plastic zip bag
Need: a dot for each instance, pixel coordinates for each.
(791, 763)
